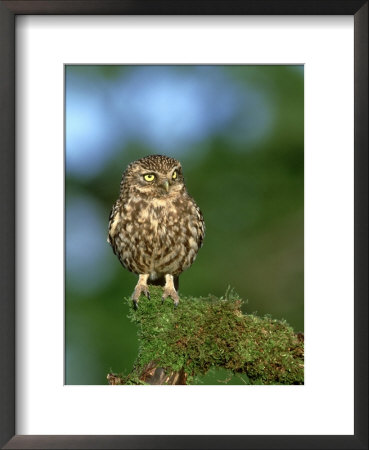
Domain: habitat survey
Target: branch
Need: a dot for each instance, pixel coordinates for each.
(177, 345)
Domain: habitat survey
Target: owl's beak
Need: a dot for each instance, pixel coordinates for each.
(166, 185)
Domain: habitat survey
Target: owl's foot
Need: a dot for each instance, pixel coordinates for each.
(141, 288)
(170, 291)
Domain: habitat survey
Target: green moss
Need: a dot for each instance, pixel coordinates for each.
(213, 332)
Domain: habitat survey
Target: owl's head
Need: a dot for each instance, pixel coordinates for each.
(155, 175)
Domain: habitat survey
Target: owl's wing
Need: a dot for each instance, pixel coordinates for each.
(114, 218)
(200, 227)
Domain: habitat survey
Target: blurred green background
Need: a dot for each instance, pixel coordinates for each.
(239, 134)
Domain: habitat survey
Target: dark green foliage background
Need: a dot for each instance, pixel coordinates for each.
(252, 198)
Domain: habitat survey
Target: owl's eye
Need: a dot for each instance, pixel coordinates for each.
(174, 176)
(149, 177)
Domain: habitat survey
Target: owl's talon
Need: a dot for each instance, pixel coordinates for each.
(135, 305)
(141, 289)
(172, 293)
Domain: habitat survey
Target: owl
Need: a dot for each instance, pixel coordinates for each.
(155, 227)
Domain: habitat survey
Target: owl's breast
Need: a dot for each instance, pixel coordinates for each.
(160, 219)
(157, 236)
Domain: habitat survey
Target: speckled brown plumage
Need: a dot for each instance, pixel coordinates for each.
(155, 227)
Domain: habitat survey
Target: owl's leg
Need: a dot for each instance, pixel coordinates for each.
(169, 290)
(141, 288)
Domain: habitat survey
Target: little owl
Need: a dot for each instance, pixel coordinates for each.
(155, 227)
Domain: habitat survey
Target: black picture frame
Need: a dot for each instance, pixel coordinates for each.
(8, 12)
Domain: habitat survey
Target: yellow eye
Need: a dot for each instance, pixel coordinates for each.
(174, 176)
(149, 177)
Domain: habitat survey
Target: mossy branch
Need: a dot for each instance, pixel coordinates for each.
(178, 344)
